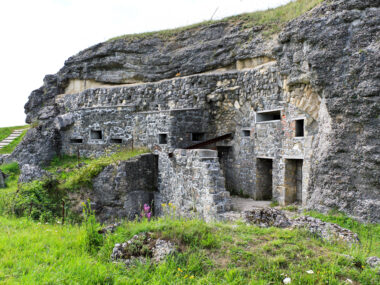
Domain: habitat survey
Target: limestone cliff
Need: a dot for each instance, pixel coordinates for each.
(329, 66)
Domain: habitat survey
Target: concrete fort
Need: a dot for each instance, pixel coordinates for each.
(228, 110)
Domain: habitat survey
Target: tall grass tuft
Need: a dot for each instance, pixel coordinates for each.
(93, 240)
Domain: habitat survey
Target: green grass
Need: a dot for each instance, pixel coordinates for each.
(369, 234)
(71, 177)
(5, 132)
(215, 253)
(272, 20)
(10, 148)
(42, 200)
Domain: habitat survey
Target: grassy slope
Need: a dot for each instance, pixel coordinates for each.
(35, 253)
(5, 132)
(272, 20)
(10, 148)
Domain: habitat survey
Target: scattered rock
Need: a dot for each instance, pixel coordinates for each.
(162, 249)
(32, 172)
(373, 261)
(326, 231)
(2, 179)
(141, 247)
(3, 157)
(109, 229)
(267, 217)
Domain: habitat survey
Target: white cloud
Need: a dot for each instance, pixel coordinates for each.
(38, 36)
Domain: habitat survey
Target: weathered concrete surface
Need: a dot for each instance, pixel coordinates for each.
(193, 182)
(121, 190)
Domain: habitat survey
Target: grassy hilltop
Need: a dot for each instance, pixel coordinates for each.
(271, 20)
(5, 132)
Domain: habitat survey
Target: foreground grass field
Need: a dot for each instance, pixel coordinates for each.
(219, 253)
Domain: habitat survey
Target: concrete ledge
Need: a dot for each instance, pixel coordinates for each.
(206, 153)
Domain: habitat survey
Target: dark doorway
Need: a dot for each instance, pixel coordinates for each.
(225, 160)
(293, 180)
(264, 179)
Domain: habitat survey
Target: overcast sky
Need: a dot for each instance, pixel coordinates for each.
(37, 36)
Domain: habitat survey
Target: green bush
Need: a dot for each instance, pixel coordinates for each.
(41, 200)
(10, 169)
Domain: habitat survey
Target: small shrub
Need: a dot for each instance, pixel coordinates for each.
(10, 168)
(39, 199)
(274, 203)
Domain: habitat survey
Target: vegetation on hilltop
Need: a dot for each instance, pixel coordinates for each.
(271, 20)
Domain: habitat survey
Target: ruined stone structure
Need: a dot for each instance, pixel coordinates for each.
(292, 118)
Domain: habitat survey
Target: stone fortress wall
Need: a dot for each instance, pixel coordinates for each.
(227, 77)
(177, 113)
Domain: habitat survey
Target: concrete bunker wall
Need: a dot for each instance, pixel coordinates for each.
(255, 105)
(95, 129)
(121, 190)
(192, 180)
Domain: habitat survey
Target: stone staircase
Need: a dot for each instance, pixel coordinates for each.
(15, 134)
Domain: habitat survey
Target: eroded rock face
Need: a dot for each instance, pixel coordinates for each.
(334, 50)
(38, 147)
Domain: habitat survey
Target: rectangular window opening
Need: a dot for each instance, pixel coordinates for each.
(76, 140)
(299, 128)
(163, 138)
(268, 116)
(246, 133)
(197, 137)
(118, 141)
(96, 135)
